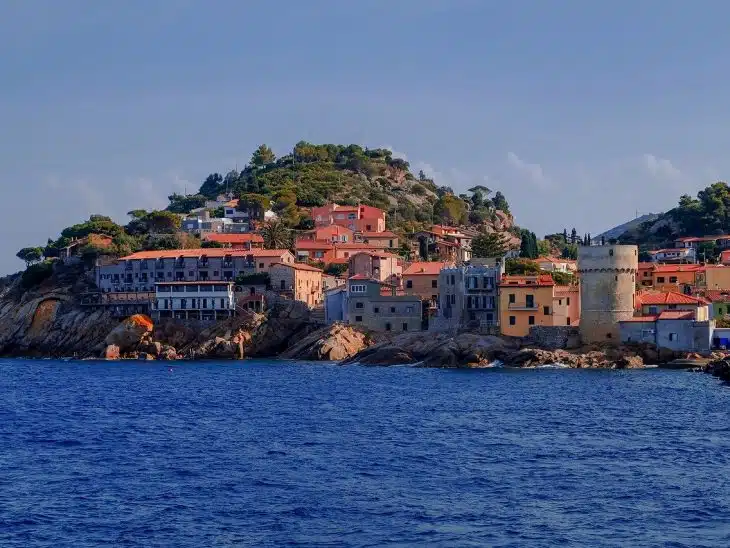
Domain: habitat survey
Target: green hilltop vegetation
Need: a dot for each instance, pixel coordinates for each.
(706, 215)
(310, 175)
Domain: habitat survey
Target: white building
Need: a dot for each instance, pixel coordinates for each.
(194, 300)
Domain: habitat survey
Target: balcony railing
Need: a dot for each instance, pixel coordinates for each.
(522, 306)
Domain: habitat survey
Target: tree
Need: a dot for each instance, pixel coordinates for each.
(521, 267)
(565, 235)
(421, 175)
(207, 244)
(570, 251)
(262, 156)
(478, 195)
(399, 163)
(450, 210)
(335, 269)
(211, 187)
(544, 248)
(185, 204)
(489, 244)
(573, 236)
(500, 202)
(137, 213)
(30, 255)
(286, 208)
(276, 235)
(162, 221)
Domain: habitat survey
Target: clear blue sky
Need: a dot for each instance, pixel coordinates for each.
(579, 112)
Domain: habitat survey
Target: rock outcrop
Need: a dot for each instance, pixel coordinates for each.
(435, 350)
(332, 343)
(719, 368)
(130, 333)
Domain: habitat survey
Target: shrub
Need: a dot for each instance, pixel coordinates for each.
(36, 274)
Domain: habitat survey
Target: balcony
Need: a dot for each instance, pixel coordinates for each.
(522, 306)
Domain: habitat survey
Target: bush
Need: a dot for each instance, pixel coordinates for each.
(259, 278)
(418, 189)
(36, 274)
(336, 269)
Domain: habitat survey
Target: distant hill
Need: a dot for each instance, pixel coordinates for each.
(618, 231)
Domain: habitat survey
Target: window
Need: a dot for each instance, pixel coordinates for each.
(646, 274)
(387, 326)
(434, 283)
(392, 309)
(215, 273)
(223, 303)
(660, 280)
(530, 301)
(282, 284)
(567, 301)
(409, 284)
(531, 320)
(409, 310)
(673, 337)
(567, 321)
(357, 288)
(228, 275)
(261, 265)
(672, 279)
(511, 298)
(546, 310)
(653, 310)
(719, 310)
(453, 280)
(376, 310)
(560, 301)
(453, 299)
(405, 326)
(191, 273)
(512, 320)
(610, 252)
(358, 318)
(359, 305)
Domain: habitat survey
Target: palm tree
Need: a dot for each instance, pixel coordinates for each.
(276, 235)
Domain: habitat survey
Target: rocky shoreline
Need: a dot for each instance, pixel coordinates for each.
(49, 323)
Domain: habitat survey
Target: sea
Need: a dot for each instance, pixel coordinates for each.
(277, 453)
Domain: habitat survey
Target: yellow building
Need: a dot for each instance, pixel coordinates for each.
(525, 301)
(716, 278)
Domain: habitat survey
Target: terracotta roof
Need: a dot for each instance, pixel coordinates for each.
(716, 296)
(355, 245)
(175, 253)
(564, 289)
(266, 252)
(702, 238)
(424, 269)
(235, 238)
(647, 265)
(640, 319)
(298, 266)
(381, 254)
(667, 297)
(670, 250)
(543, 280)
(550, 260)
(664, 268)
(725, 256)
(359, 277)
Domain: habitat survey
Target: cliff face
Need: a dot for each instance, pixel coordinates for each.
(47, 322)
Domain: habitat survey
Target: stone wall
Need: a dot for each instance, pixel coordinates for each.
(553, 337)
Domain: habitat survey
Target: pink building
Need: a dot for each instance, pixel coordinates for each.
(383, 267)
(359, 218)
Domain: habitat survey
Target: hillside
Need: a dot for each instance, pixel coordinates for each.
(617, 231)
(313, 175)
(706, 215)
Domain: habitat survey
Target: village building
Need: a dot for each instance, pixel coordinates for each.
(327, 252)
(298, 281)
(676, 277)
(527, 301)
(678, 255)
(678, 330)
(469, 296)
(644, 277)
(714, 277)
(194, 300)
(330, 233)
(378, 306)
(422, 279)
(360, 218)
(381, 240)
(652, 303)
(554, 264)
(383, 267)
(719, 303)
(71, 250)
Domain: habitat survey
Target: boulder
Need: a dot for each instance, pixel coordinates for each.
(168, 353)
(130, 332)
(332, 343)
(112, 352)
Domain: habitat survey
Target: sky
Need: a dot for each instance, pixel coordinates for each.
(581, 113)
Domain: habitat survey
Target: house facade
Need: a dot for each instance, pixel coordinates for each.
(299, 281)
(423, 280)
(652, 303)
(469, 296)
(381, 240)
(383, 267)
(194, 300)
(360, 218)
(377, 306)
(675, 330)
(674, 255)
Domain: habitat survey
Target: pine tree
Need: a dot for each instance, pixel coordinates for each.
(565, 235)
(573, 236)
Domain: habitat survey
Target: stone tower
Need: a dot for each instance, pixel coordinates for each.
(607, 290)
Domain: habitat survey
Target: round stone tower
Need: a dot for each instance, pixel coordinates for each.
(607, 289)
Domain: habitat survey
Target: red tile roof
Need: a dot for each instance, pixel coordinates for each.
(641, 319)
(543, 280)
(424, 269)
(298, 266)
(677, 315)
(725, 256)
(665, 268)
(313, 244)
(359, 277)
(208, 252)
(667, 297)
(386, 234)
(715, 296)
(235, 238)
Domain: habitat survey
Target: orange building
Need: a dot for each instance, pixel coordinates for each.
(652, 303)
(671, 277)
(329, 233)
(382, 240)
(644, 274)
(300, 281)
(527, 301)
(422, 278)
(359, 218)
(384, 267)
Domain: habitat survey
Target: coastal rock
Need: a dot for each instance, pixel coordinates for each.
(720, 369)
(112, 352)
(168, 353)
(332, 343)
(130, 332)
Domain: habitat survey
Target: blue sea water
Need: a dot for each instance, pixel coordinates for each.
(284, 453)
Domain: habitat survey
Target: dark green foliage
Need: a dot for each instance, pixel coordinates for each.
(211, 187)
(562, 278)
(570, 251)
(491, 244)
(207, 244)
(336, 269)
(450, 210)
(30, 255)
(276, 235)
(36, 274)
(521, 267)
(500, 202)
(97, 224)
(528, 245)
(185, 204)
